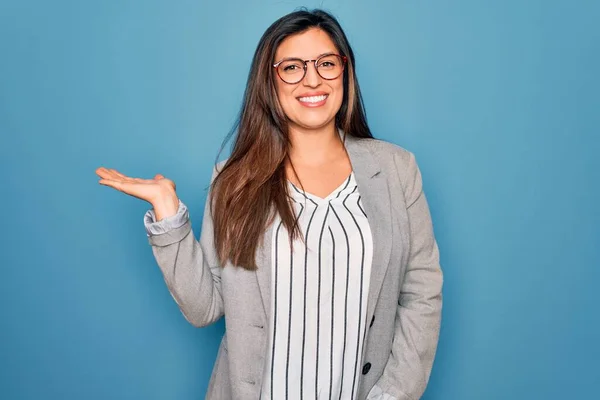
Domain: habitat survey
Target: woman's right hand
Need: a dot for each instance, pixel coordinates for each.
(159, 191)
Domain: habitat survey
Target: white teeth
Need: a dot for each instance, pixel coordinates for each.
(312, 99)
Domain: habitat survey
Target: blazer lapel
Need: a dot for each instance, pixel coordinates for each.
(263, 273)
(374, 191)
(375, 195)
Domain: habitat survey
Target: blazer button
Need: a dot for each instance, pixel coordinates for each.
(372, 319)
(366, 368)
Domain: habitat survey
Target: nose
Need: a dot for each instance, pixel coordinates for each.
(312, 78)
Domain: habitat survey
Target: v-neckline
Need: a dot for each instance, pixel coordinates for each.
(330, 196)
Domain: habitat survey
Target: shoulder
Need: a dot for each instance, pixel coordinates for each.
(384, 147)
(217, 168)
(390, 155)
(397, 164)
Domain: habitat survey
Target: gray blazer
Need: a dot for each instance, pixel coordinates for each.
(404, 303)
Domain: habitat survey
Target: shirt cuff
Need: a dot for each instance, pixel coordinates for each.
(377, 394)
(165, 225)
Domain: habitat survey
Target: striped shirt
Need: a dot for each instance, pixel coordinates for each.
(319, 298)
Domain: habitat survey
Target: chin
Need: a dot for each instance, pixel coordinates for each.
(314, 122)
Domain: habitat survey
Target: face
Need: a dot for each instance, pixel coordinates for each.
(313, 102)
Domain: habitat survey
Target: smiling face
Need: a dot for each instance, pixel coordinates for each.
(313, 102)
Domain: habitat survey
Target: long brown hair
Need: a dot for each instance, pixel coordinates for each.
(252, 185)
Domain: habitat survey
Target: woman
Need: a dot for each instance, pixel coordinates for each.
(317, 243)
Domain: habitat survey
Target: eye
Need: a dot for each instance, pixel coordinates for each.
(291, 67)
(329, 62)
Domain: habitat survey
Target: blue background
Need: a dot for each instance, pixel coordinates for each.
(499, 100)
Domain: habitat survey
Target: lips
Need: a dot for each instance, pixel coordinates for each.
(313, 99)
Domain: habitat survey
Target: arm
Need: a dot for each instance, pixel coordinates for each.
(418, 314)
(154, 227)
(190, 268)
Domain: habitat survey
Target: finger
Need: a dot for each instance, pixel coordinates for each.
(106, 173)
(112, 183)
(103, 173)
(117, 173)
(158, 176)
(100, 170)
(126, 178)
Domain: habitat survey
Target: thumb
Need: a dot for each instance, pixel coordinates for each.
(158, 176)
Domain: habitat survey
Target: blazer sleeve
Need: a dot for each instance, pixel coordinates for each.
(191, 268)
(154, 227)
(418, 314)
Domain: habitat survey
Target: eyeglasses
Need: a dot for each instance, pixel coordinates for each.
(293, 70)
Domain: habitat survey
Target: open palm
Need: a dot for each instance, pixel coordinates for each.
(146, 189)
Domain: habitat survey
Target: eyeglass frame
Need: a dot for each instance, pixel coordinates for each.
(305, 62)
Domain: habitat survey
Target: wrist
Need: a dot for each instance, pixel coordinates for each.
(166, 205)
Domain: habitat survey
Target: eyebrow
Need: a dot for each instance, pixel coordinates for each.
(320, 55)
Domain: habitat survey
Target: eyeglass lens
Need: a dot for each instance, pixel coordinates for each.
(293, 71)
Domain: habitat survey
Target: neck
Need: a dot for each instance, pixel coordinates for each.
(314, 146)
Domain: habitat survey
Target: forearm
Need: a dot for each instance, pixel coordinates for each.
(191, 274)
(190, 268)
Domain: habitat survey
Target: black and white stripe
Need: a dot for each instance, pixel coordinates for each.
(319, 298)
